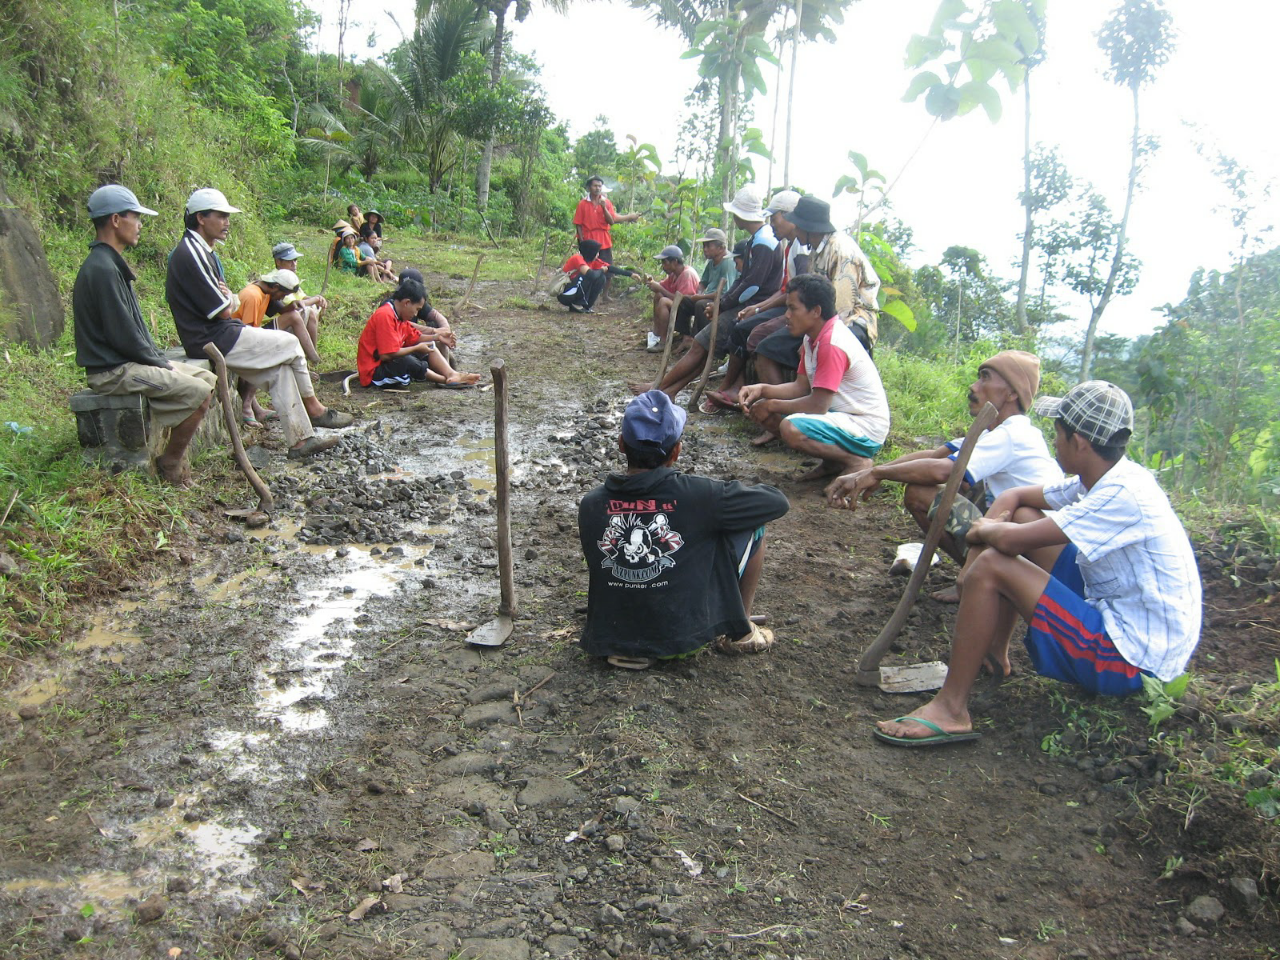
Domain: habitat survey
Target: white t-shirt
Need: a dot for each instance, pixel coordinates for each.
(1010, 455)
(836, 361)
(1137, 565)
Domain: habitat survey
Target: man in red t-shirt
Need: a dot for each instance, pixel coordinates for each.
(680, 278)
(594, 218)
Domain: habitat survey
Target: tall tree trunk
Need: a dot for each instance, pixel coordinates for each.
(1086, 355)
(791, 93)
(1028, 225)
(495, 75)
(724, 143)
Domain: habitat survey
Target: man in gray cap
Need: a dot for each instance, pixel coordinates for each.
(308, 308)
(1108, 584)
(719, 267)
(680, 278)
(203, 310)
(113, 344)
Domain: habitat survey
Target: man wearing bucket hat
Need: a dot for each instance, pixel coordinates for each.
(673, 560)
(761, 277)
(113, 344)
(1010, 453)
(680, 278)
(203, 311)
(1108, 584)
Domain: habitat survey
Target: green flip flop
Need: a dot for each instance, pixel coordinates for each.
(936, 739)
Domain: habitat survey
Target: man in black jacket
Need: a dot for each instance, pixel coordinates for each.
(674, 560)
(113, 343)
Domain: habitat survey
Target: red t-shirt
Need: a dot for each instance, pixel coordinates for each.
(686, 282)
(576, 262)
(383, 335)
(590, 217)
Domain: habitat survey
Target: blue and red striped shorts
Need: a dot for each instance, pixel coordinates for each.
(1068, 641)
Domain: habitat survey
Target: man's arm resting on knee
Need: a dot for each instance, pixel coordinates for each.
(1015, 539)
(923, 467)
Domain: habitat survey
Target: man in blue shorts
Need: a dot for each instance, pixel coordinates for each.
(1108, 585)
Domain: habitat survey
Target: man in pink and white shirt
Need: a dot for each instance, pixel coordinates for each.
(836, 408)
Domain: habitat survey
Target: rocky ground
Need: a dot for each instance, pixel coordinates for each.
(283, 745)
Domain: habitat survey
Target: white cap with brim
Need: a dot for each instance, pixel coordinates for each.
(746, 204)
(282, 278)
(114, 198)
(207, 198)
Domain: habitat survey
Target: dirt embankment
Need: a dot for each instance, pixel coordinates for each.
(285, 748)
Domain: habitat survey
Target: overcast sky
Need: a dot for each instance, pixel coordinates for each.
(962, 185)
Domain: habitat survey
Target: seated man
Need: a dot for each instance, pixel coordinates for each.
(679, 279)
(202, 307)
(113, 344)
(259, 300)
(431, 324)
(587, 273)
(836, 408)
(309, 308)
(760, 278)
(1010, 453)
(392, 352)
(720, 266)
(673, 560)
(1108, 585)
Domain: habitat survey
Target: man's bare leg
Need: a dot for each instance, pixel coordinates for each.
(661, 316)
(998, 589)
(294, 323)
(440, 366)
(767, 371)
(171, 464)
(835, 460)
(685, 370)
(750, 578)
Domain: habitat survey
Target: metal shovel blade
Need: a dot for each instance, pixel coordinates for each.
(915, 678)
(491, 634)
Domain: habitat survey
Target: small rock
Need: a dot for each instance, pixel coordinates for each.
(1186, 928)
(531, 554)
(1245, 890)
(610, 915)
(376, 787)
(8, 565)
(292, 952)
(151, 910)
(615, 843)
(235, 536)
(28, 711)
(1205, 910)
(178, 885)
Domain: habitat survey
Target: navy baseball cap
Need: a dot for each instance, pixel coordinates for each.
(652, 420)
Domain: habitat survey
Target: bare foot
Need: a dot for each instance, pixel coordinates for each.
(764, 439)
(639, 388)
(824, 469)
(934, 714)
(946, 595)
(177, 473)
(464, 378)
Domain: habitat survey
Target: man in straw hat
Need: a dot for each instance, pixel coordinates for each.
(203, 311)
(1010, 453)
(1108, 584)
(113, 344)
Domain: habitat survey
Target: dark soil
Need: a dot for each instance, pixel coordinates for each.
(301, 756)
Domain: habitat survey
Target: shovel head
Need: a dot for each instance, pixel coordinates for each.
(491, 634)
(914, 678)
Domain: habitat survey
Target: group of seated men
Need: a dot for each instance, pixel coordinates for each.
(119, 356)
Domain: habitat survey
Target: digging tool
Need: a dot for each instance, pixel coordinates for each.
(495, 632)
(711, 350)
(466, 297)
(921, 676)
(265, 500)
(671, 336)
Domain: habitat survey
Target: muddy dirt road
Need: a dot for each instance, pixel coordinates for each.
(284, 747)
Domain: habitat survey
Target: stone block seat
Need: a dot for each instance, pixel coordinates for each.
(117, 432)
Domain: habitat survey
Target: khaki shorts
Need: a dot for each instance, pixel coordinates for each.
(172, 394)
(963, 513)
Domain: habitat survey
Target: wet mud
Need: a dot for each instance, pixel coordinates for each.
(285, 747)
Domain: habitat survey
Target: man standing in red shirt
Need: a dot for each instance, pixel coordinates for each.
(593, 220)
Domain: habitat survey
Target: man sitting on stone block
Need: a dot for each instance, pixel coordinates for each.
(113, 343)
(203, 310)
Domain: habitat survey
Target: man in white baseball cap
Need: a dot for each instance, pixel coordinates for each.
(113, 344)
(204, 310)
(309, 308)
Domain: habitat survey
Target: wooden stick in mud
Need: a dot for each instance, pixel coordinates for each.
(711, 351)
(671, 335)
(328, 262)
(265, 500)
(471, 286)
(869, 666)
(502, 471)
(542, 264)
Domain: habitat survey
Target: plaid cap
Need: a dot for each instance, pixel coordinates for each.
(1095, 409)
